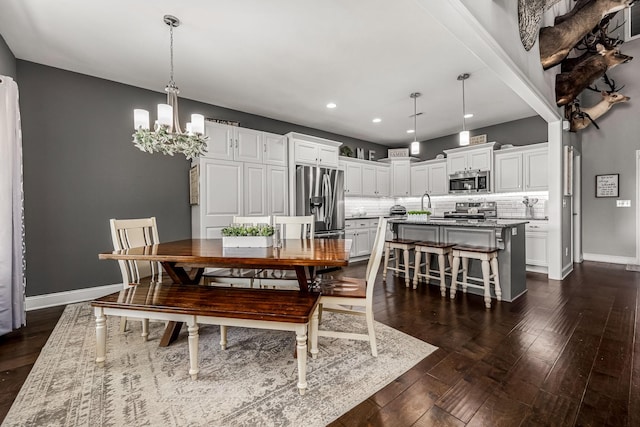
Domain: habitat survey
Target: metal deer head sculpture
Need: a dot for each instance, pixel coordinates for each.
(557, 41)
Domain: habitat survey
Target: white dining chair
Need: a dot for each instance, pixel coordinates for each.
(291, 227)
(131, 233)
(295, 227)
(353, 296)
(235, 276)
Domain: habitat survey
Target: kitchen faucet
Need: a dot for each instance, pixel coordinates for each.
(426, 193)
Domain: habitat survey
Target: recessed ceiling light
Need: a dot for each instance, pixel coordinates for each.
(331, 105)
(377, 120)
(411, 131)
(468, 115)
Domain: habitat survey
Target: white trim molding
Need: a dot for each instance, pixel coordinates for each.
(70, 297)
(637, 207)
(611, 259)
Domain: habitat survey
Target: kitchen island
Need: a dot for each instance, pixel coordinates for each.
(506, 235)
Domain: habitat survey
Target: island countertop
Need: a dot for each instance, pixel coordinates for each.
(487, 223)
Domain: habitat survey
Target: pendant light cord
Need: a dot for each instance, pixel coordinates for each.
(463, 108)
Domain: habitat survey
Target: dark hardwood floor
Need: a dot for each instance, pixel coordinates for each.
(566, 353)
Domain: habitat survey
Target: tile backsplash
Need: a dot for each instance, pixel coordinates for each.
(509, 205)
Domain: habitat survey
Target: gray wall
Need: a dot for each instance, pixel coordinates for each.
(526, 131)
(606, 229)
(80, 169)
(7, 60)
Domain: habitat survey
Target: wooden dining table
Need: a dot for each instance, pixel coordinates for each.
(185, 260)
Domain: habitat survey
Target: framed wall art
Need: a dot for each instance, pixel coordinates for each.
(608, 185)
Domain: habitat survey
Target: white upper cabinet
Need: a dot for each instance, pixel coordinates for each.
(470, 158)
(430, 176)
(536, 161)
(438, 179)
(228, 142)
(400, 178)
(521, 168)
(310, 150)
(248, 145)
(365, 178)
(383, 180)
(508, 172)
(275, 149)
(352, 179)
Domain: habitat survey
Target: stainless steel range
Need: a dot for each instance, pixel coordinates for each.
(474, 210)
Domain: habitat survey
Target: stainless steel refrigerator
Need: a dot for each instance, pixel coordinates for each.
(320, 192)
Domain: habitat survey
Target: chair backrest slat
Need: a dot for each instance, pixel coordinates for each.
(296, 227)
(130, 233)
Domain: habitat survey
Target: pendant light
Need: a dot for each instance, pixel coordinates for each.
(415, 145)
(464, 135)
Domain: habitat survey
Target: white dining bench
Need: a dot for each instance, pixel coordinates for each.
(282, 310)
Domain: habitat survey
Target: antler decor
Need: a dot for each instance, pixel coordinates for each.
(585, 29)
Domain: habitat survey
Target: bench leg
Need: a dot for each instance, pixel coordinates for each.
(145, 329)
(386, 262)
(487, 283)
(313, 332)
(301, 339)
(101, 336)
(223, 337)
(193, 348)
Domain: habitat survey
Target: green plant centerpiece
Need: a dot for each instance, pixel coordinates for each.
(248, 230)
(245, 235)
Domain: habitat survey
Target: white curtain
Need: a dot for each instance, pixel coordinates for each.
(12, 247)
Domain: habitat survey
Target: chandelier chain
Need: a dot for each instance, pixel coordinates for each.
(171, 81)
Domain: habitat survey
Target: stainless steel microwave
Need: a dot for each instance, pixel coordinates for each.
(469, 182)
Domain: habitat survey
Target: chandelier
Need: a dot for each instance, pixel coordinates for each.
(167, 136)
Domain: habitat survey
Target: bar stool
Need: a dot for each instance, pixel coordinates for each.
(397, 245)
(429, 248)
(489, 257)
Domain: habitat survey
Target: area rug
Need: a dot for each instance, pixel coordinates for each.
(251, 383)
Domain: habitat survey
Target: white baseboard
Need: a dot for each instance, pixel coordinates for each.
(69, 297)
(613, 259)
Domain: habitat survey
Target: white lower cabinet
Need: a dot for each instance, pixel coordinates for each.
(255, 189)
(277, 190)
(536, 245)
(218, 203)
(362, 233)
(230, 188)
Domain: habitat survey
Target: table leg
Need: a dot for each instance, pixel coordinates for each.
(302, 278)
(178, 275)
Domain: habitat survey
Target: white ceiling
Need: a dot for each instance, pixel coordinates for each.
(284, 59)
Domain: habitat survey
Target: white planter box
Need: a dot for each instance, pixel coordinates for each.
(418, 218)
(247, 241)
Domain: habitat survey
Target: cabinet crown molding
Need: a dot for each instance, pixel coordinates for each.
(487, 145)
(308, 138)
